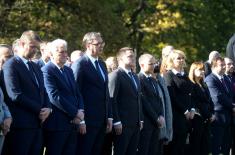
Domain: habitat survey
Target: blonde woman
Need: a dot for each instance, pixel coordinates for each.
(180, 90)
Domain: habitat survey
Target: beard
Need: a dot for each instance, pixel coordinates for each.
(30, 54)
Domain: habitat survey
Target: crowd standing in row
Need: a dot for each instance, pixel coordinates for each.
(86, 106)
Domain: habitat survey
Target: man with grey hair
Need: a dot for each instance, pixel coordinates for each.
(67, 104)
(207, 64)
(91, 77)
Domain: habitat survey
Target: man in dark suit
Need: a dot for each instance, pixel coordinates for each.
(229, 71)
(152, 107)
(221, 94)
(67, 104)
(91, 76)
(125, 90)
(29, 103)
(45, 54)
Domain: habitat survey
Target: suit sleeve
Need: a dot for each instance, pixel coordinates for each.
(14, 91)
(113, 90)
(55, 96)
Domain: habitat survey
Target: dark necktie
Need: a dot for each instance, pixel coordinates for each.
(133, 80)
(32, 72)
(153, 85)
(224, 84)
(98, 70)
(65, 77)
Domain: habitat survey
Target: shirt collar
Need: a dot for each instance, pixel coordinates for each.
(126, 70)
(24, 60)
(217, 75)
(146, 75)
(92, 59)
(56, 65)
(177, 72)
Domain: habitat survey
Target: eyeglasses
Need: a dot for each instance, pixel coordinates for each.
(100, 44)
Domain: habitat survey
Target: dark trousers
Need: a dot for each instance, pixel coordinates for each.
(148, 142)
(195, 138)
(177, 145)
(127, 142)
(60, 142)
(200, 137)
(221, 139)
(108, 144)
(233, 139)
(91, 143)
(23, 142)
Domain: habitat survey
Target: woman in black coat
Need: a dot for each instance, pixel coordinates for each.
(200, 125)
(180, 90)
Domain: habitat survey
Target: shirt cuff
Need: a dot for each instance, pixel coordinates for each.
(110, 119)
(117, 123)
(186, 112)
(82, 122)
(82, 110)
(193, 109)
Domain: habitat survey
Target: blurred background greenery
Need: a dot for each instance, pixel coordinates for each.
(194, 26)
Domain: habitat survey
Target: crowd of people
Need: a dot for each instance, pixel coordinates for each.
(54, 104)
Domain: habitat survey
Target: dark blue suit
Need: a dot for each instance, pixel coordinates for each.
(222, 99)
(94, 91)
(66, 101)
(27, 97)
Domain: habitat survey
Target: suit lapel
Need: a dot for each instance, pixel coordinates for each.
(24, 68)
(219, 83)
(59, 75)
(126, 76)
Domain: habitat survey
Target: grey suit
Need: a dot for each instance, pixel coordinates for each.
(4, 113)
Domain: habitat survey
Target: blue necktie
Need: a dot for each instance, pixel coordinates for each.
(98, 70)
(32, 72)
(224, 84)
(65, 76)
(133, 80)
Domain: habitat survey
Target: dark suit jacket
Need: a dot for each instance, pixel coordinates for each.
(26, 97)
(65, 98)
(151, 102)
(125, 98)
(221, 98)
(207, 68)
(40, 63)
(180, 91)
(94, 91)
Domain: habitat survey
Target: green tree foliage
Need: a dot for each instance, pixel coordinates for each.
(195, 26)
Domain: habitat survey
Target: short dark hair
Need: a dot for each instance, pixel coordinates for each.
(122, 51)
(214, 61)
